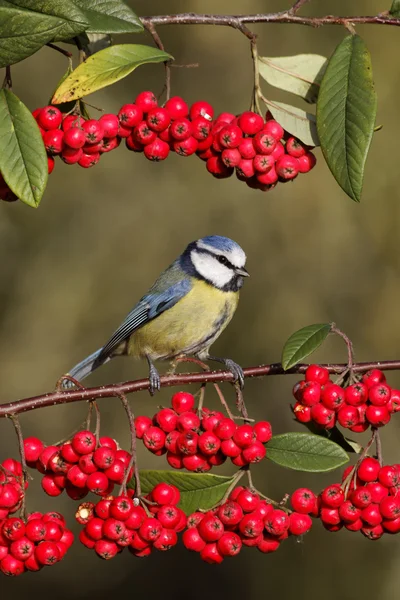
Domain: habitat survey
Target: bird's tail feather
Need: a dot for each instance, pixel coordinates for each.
(85, 367)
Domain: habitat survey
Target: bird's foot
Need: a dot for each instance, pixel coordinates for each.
(233, 367)
(154, 379)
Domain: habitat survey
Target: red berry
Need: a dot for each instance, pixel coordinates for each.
(192, 540)
(230, 448)
(209, 443)
(74, 137)
(268, 543)
(182, 402)
(373, 377)
(394, 403)
(216, 167)
(378, 491)
(121, 508)
(130, 115)
(299, 523)
(86, 464)
(201, 109)
(306, 162)
(50, 164)
(330, 516)
(116, 471)
(303, 500)
(142, 424)
(13, 528)
(97, 483)
(158, 119)
(181, 129)
(186, 147)
(371, 515)
(143, 134)
(250, 123)
(210, 528)
(323, 416)
(379, 394)
(277, 152)
(93, 130)
(294, 147)
(277, 522)
(32, 448)
(302, 413)
(154, 439)
(68, 453)
(163, 493)
(11, 566)
(106, 549)
(54, 141)
(229, 544)
(254, 453)
(287, 167)
(378, 416)
(201, 129)
(225, 429)
(136, 517)
(348, 512)
(150, 529)
(244, 436)
(251, 526)
(246, 148)
(273, 128)
(196, 462)
(230, 513)
(146, 101)
(389, 476)
(109, 144)
(389, 507)
(356, 394)
(361, 497)
(177, 107)
(72, 121)
(113, 529)
(333, 496)
(169, 516)
(263, 163)
(263, 431)
(332, 396)
(368, 469)
(156, 150)
(348, 416)
(50, 117)
(310, 393)
(35, 530)
(110, 125)
(84, 442)
(47, 553)
(88, 160)
(71, 156)
(264, 142)
(188, 421)
(247, 500)
(230, 136)
(231, 157)
(210, 419)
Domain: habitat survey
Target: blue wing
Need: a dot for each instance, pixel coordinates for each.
(148, 308)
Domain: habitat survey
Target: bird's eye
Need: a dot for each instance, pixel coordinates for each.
(223, 260)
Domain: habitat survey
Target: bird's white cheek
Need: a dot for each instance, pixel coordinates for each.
(212, 270)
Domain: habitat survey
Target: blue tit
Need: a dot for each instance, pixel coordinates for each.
(183, 313)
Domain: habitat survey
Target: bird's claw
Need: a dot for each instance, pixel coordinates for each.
(154, 380)
(236, 371)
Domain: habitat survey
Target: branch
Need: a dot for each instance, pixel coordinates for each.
(288, 16)
(114, 390)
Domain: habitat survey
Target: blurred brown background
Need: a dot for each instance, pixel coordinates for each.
(72, 269)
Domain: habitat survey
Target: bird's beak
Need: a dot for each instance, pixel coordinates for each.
(243, 272)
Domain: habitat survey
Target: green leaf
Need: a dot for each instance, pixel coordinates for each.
(395, 8)
(23, 159)
(109, 16)
(300, 74)
(303, 342)
(335, 435)
(198, 490)
(27, 25)
(305, 452)
(296, 121)
(105, 68)
(346, 111)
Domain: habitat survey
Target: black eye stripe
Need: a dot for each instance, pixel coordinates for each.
(220, 258)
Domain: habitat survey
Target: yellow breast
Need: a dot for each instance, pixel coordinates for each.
(189, 327)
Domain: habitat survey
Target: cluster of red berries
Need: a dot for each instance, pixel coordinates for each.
(115, 523)
(243, 520)
(371, 504)
(43, 540)
(260, 150)
(78, 466)
(370, 401)
(197, 444)
(12, 488)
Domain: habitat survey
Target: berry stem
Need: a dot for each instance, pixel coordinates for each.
(378, 446)
(235, 480)
(133, 461)
(97, 428)
(297, 6)
(63, 52)
(353, 473)
(21, 448)
(167, 64)
(350, 349)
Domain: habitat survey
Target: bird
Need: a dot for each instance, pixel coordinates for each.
(183, 313)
